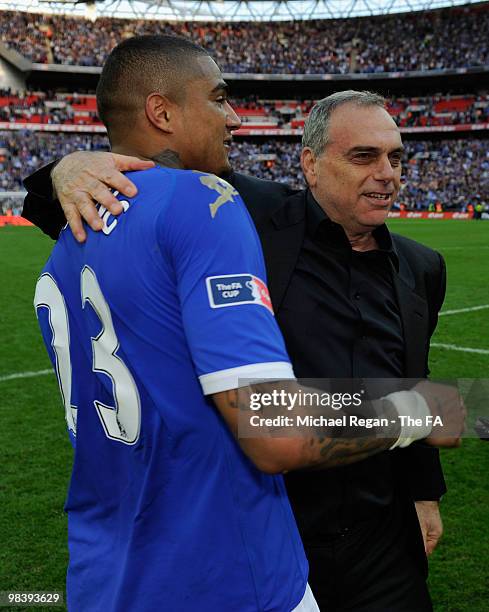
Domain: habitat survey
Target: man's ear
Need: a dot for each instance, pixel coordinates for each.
(308, 164)
(160, 112)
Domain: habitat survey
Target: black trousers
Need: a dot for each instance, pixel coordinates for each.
(377, 566)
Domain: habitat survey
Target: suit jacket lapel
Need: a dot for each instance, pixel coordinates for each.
(282, 236)
(414, 317)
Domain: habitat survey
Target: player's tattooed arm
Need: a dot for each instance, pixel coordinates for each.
(304, 441)
(340, 450)
(275, 448)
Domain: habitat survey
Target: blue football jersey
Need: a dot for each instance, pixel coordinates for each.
(143, 322)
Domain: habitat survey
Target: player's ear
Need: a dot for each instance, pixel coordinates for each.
(308, 164)
(159, 112)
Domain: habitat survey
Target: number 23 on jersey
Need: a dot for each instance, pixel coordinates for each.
(122, 421)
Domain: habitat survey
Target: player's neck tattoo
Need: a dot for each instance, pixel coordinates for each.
(168, 158)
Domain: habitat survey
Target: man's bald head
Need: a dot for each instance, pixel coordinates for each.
(140, 66)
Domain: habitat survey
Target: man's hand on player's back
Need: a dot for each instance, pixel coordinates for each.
(83, 178)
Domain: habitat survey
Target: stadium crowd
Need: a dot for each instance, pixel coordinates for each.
(23, 152)
(454, 173)
(449, 172)
(440, 110)
(46, 108)
(80, 109)
(451, 38)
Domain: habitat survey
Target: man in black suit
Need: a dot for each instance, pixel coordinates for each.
(353, 301)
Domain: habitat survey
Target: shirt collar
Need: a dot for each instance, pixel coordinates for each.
(320, 227)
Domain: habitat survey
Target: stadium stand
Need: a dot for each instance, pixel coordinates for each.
(445, 171)
(81, 109)
(445, 163)
(454, 38)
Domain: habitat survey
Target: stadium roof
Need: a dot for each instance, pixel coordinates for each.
(229, 10)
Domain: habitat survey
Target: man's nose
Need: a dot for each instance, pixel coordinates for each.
(233, 122)
(384, 170)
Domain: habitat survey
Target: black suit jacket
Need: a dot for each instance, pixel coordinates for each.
(279, 216)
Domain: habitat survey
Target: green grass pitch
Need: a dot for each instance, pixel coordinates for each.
(35, 455)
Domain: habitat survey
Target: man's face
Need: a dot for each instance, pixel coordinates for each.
(207, 121)
(357, 177)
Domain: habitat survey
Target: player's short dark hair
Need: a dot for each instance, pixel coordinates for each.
(139, 66)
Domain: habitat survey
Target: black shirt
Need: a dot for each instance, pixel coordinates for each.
(351, 326)
(341, 319)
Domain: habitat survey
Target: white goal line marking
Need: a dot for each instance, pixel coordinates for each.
(460, 310)
(26, 375)
(462, 248)
(452, 347)
(463, 349)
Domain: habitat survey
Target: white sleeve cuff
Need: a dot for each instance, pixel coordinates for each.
(411, 404)
(224, 380)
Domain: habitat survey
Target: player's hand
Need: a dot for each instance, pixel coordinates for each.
(447, 403)
(83, 178)
(430, 523)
